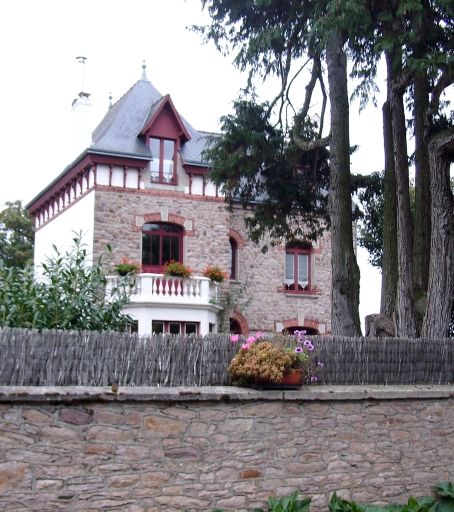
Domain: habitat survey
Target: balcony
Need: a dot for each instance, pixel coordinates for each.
(172, 291)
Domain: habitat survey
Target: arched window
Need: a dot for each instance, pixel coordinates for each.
(298, 267)
(160, 243)
(233, 258)
(235, 327)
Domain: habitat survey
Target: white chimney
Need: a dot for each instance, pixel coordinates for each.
(81, 124)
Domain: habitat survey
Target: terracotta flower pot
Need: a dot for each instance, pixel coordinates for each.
(289, 381)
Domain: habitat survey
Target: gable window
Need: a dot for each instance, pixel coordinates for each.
(162, 167)
(298, 267)
(161, 243)
(233, 259)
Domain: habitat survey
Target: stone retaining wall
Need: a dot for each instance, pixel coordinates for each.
(158, 449)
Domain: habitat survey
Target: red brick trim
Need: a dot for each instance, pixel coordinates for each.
(152, 217)
(63, 210)
(242, 321)
(237, 237)
(179, 220)
(160, 193)
(308, 322)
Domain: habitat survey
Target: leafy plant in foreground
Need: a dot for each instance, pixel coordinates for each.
(425, 504)
(72, 294)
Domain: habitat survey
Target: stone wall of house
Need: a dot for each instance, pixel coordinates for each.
(119, 215)
(262, 276)
(157, 449)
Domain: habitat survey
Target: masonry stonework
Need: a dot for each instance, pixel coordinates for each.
(263, 278)
(259, 294)
(155, 449)
(207, 244)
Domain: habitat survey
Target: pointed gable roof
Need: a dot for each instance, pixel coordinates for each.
(122, 130)
(117, 132)
(163, 120)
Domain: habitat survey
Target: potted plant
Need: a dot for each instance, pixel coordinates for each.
(285, 362)
(126, 267)
(175, 268)
(215, 274)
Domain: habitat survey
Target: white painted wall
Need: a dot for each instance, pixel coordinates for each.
(145, 314)
(59, 231)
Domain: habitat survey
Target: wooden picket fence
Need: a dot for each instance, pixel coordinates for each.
(62, 358)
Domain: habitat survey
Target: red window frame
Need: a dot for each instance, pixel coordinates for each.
(296, 286)
(233, 259)
(161, 179)
(161, 233)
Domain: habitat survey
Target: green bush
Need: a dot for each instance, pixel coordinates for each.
(71, 295)
(425, 504)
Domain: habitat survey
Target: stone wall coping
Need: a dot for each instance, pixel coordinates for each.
(225, 394)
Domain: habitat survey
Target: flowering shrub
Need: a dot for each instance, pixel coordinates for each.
(215, 274)
(175, 268)
(127, 267)
(271, 359)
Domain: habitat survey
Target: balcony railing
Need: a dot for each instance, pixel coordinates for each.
(157, 288)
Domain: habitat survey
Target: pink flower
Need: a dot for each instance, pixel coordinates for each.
(251, 339)
(314, 379)
(259, 334)
(234, 338)
(245, 346)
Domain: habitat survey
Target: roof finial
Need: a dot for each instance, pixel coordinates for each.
(144, 66)
(110, 99)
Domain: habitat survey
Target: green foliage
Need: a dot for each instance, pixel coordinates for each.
(368, 190)
(215, 274)
(289, 504)
(126, 267)
(258, 165)
(337, 504)
(175, 268)
(16, 235)
(71, 295)
(425, 504)
(260, 359)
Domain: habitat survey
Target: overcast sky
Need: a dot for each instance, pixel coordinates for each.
(39, 43)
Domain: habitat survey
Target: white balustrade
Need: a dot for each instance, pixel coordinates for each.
(157, 288)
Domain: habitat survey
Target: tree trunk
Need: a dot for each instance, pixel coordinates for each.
(441, 275)
(389, 258)
(407, 319)
(345, 270)
(421, 243)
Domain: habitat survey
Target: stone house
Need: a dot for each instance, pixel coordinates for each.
(143, 187)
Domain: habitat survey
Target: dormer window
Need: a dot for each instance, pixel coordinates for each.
(162, 167)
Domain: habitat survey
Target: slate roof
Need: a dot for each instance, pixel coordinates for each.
(119, 131)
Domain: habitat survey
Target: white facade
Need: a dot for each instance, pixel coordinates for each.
(64, 227)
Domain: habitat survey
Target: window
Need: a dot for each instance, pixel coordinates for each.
(162, 169)
(133, 328)
(233, 259)
(298, 267)
(176, 328)
(160, 243)
(235, 327)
